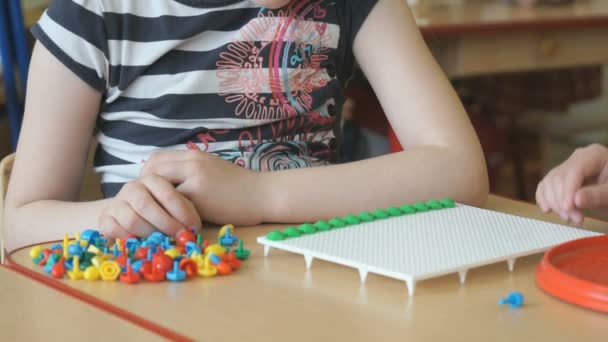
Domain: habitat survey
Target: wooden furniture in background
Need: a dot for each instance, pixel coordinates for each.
(482, 37)
(487, 36)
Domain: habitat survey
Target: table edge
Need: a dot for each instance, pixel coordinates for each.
(91, 300)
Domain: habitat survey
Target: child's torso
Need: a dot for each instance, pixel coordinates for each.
(255, 86)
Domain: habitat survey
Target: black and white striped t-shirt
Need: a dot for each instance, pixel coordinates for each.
(259, 87)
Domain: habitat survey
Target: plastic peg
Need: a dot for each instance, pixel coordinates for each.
(176, 274)
(514, 299)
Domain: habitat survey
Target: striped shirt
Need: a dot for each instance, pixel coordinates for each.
(261, 88)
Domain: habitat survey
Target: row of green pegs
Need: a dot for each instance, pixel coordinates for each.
(349, 220)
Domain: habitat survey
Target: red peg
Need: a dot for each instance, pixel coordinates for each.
(154, 276)
(162, 262)
(223, 268)
(184, 237)
(141, 253)
(129, 277)
(121, 260)
(146, 267)
(46, 253)
(233, 261)
(58, 269)
(189, 266)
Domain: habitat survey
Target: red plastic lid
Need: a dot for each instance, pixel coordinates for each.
(577, 272)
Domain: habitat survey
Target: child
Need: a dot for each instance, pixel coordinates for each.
(581, 182)
(193, 99)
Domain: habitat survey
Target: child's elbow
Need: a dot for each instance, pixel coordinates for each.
(479, 192)
(475, 185)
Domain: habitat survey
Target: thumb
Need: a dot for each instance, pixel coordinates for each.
(592, 196)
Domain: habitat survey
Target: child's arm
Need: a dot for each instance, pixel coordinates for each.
(60, 115)
(443, 157)
(581, 182)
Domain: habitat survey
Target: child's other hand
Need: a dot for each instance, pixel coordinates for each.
(581, 182)
(146, 205)
(221, 191)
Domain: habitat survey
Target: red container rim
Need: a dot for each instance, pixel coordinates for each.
(576, 290)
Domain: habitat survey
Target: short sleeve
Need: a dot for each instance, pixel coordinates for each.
(74, 32)
(351, 15)
(359, 11)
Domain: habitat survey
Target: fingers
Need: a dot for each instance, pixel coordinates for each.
(540, 197)
(576, 216)
(569, 182)
(130, 220)
(147, 205)
(143, 198)
(548, 200)
(173, 156)
(553, 183)
(592, 197)
(174, 172)
(591, 159)
(583, 163)
(559, 190)
(555, 193)
(111, 228)
(177, 211)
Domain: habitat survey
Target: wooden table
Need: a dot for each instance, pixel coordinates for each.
(492, 36)
(31, 311)
(276, 299)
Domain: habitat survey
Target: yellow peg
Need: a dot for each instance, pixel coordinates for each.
(93, 249)
(91, 273)
(223, 230)
(97, 260)
(198, 258)
(109, 270)
(173, 253)
(65, 245)
(215, 249)
(207, 270)
(35, 252)
(75, 273)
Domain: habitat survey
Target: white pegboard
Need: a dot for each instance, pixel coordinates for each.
(430, 244)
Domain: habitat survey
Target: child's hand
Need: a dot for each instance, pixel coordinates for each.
(146, 205)
(581, 182)
(221, 191)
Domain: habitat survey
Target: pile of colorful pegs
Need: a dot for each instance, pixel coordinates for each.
(156, 258)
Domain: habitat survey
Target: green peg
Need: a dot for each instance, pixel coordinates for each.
(366, 217)
(292, 232)
(276, 236)
(323, 226)
(393, 211)
(240, 252)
